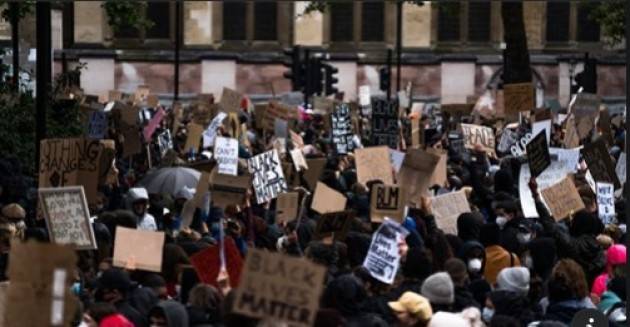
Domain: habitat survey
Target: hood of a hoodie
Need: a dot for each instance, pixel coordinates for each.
(136, 194)
(174, 312)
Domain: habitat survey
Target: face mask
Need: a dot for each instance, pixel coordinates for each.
(474, 265)
(523, 237)
(501, 221)
(486, 314)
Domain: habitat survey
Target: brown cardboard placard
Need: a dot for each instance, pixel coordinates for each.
(571, 137)
(439, 176)
(373, 164)
(387, 201)
(481, 135)
(276, 278)
(287, 207)
(297, 140)
(585, 105)
(277, 110)
(138, 249)
(323, 105)
(457, 109)
(39, 293)
(447, 208)
(228, 189)
(562, 199)
(194, 137)
(518, 97)
(417, 133)
(260, 109)
(315, 169)
(326, 200)
(416, 172)
(599, 162)
(230, 100)
(298, 160)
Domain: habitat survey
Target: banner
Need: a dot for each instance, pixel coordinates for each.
(477, 134)
(385, 129)
(606, 203)
(562, 199)
(383, 257)
(268, 179)
(342, 129)
(67, 216)
(226, 155)
(387, 201)
(447, 208)
(373, 164)
(538, 156)
(271, 281)
(138, 249)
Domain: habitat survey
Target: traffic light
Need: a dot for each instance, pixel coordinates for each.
(384, 79)
(587, 79)
(314, 77)
(298, 69)
(330, 79)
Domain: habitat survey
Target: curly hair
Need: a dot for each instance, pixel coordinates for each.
(567, 281)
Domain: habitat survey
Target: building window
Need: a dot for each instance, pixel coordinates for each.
(159, 14)
(479, 21)
(265, 21)
(373, 21)
(558, 15)
(234, 21)
(448, 22)
(587, 28)
(342, 22)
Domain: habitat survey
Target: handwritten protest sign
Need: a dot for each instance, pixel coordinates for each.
(518, 97)
(606, 202)
(585, 105)
(287, 206)
(39, 293)
(153, 124)
(599, 163)
(383, 257)
(211, 132)
(562, 199)
(508, 138)
(478, 135)
(230, 100)
(364, 95)
(327, 200)
(268, 179)
(334, 224)
(138, 249)
(538, 154)
(387, 201)
(228, 189)
(385, 129)
(67, 216)
(342, 129)
(207, 263)
(373, 164)
(298, 160)
(272, 280)
(226, 155)
(416, 173)
(447, 208)
(97, 126)
(71, 162)
(277, 110)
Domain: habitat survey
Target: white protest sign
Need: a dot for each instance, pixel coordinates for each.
(396, 158)
(542, 125)
(67, 216)
(447, 208)
(364, 95)
(268, 179)
(226, 155)
(606, 202)
(508, 138)
(211, 132)
(97, 127)
(518, 149)
(383, 258)
(298, 160)
(403, 99)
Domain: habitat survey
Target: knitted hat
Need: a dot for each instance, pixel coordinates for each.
(439, 289)
(447, 319)
(413, 303)
(515, 279)
(13, 211)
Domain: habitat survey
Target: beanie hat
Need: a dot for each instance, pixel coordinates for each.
(616, 255)
(447, 319)
(515, 279)
(439, 289)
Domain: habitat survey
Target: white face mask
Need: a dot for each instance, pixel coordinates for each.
(501, 221)
(523, 238)
(486, 314)
(474, 265)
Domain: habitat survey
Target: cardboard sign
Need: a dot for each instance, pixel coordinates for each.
(227, 189)
(439, 176)
(230, 100)
(447, 208)
(97, 126)
(508, 139)
(153, 124)
(268, 179)
(72, 162)
(571, 137)
(272, 279)
(385, 129)
(277, 110)
(138, 249)
(207, 263)
(364, 95)
(194, 136)
(585, 105)
(599, 163)
(297, 140)
(606, 202)
(417, 133)
(416, 173)
(326, 200)
(335, 224)
(538, 154)
(477, 134)
(315, 169)
(322, 105)
(518, 97)
(373, 164)
(298, 160)
(287, 207)
(383, 258)
(226, 155)
(211, 132)
(604, 125)
(620, 170)
(387, 201)
(39, 293)
(457, 109)
(67, 216)
(562, 199)
(342, 129)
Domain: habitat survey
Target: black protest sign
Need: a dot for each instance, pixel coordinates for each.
(334, 223)
(268, 179)
(538, 154)
(386, 201)
(599, 163)
(97, 126)
(385, 129)
(341, 124)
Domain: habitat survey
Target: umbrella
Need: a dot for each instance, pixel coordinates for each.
(170, 180)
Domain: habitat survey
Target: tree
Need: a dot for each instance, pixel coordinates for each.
(610, 15)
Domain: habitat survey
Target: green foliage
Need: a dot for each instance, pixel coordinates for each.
(24, 8)
(126, 13)
(610, 15)
(321, 5)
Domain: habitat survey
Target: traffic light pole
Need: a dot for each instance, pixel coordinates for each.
(389, 73)
(399, 7)
(308, 87)
(43, 72)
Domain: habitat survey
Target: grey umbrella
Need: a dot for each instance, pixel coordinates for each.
(170, 180)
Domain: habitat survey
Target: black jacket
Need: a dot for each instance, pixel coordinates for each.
(515, 305)
(464, 298)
